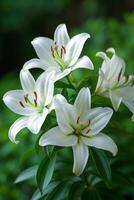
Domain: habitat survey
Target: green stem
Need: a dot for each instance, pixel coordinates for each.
(70, 82)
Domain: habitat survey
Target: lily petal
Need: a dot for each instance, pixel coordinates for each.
(98, 118)
(55, 136)
(83, 101)
(61, 36)
(27, 81)
(129, 104)
(45, 87)
(81, 154)
(35, 122)
(115, 99)
(34, 63)
(12, 100)
(16, 127)
(101, 141)
(66, 115)
(83, 62)
(127, 93)
(42, 46)
(74, 48)
(59, 75)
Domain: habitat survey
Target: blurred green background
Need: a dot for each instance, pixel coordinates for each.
(110, 23)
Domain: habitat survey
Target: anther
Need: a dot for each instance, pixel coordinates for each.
(35, 102)
(52, 52)
(78, 119)
(64, 49)
(127, 77)
(119, 75)
(26, 98)
(21, 104)
(61, 52)
(35, 94)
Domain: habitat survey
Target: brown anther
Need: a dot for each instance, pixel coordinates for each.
(55, 43)
(21, 104)
(64, 49)
(78, 119)
(35, 94)
(52, 50)
(26, 98)
(119, 75)
(35, 102)
(61, 53)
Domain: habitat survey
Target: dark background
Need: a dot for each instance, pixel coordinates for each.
(111, 24)
(22, 20)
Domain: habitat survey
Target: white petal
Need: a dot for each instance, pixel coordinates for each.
(81, 154)
(127, 93)
(59, 74)
(83, 62)
(74, 48)
(129, 105)
(115, 99)
(98, 118)
(16, 127)
(35, 122)
(101, 141)
(55, 136)
(83, 101)
(61, 36)
(66, 115)
(12, 100)
(42, 46)
(45, 87)
(27, 81)
(34, 63)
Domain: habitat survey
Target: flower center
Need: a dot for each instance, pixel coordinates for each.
(82, 127)
(30, 101)
(58, 55)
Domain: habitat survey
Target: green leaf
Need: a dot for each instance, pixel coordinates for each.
(45, 172)
(75, 190)
(37, 194)
(91, 194)
(49, 150)
(101, 164)
(59, 192)
(27, 174)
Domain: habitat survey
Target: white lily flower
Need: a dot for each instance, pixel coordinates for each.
(61, 54)
(113, 83)
(33, 102)
(79, 126)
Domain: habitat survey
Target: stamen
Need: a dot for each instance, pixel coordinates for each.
(35, 102)
(21, 104)
(35, 94)
(52, 50)
(26, 98)
(61, 53)
(55, 43)
(78, 119)
(64, 49)
(119, 75)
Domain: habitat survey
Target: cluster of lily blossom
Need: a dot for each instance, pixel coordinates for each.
(79, 125)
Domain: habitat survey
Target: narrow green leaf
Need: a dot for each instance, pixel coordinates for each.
(27, 174)
(60, 84)
(59, 192)
(101, 164)
(76, 190)
(45, 172)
